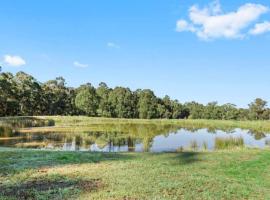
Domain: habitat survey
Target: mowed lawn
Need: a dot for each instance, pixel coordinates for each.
(36, 174)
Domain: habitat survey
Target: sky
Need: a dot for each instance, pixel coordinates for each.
(190, 50)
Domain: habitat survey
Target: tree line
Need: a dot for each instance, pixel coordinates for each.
(22, 95)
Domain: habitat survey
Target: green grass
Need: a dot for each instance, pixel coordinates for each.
(238, 173)
(263, 126)
(67, 122)
(25, 121)
(34, 174)
(229, 143)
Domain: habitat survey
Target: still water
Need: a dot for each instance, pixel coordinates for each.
(130, 137)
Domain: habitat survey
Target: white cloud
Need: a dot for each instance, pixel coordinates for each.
(211, 22)
(78, 64)
(14, 61)
(113, 45)
(260, 28)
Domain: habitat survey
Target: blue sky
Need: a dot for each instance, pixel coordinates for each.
(217, 50)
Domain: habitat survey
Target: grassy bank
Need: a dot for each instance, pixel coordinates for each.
(80, 121)
(263, 126)
(30, 174)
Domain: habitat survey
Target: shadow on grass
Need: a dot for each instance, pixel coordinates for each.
(49, 188)
(15, 161)
(187, 157)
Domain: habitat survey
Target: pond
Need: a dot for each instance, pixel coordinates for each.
(132, 137)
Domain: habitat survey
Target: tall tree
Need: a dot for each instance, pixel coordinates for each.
(257, 109)
(105, 108)
(55, 96)
(9, 101)
(147, 104)
(29, 92)
(123, 102)
(87, 100)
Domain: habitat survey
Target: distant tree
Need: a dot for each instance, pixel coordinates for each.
(161, 110)
(212, 111)
(168, 107)
(22, 94)
(147, 104)
(87, 100)
(195, 110)
(257, 109)
(179, 111)
(55, 97)
(123, 102)
(243, 114)
(229, 112)
(29, 94)
(9, 101)
(105, 108)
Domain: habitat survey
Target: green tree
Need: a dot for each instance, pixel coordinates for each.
(179, 111)
(29, 94)
(229, 112)
(123, 102)
(55, 97)
(9, 104)
(147, 104)
(105, 108)
(195, 110)
(257, 109)
(87, 100)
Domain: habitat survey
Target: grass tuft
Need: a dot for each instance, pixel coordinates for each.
(229, 143)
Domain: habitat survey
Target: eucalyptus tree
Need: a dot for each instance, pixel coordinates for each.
(229, 112)
(55, 96)
(29, 93)
(87, 100)
(257, 109)
(179, 111)
(195, 110)
(105, 108)
(123, 102)
(147, 104)
(9, 102)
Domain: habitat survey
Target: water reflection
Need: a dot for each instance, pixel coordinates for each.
(134, 137)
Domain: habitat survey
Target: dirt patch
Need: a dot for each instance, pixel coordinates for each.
(51, 188)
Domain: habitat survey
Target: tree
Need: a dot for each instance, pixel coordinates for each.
(147, 104)
(9, 104)
(22, 94)
(29, 93)
(229, 112)
(257, 109)
(123, 102)
(105, 108)
(87, 100)
(56, 97)
(179, 111)
(195, 110)
(212, 111)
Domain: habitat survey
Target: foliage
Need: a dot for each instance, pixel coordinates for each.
(22, 95)
(87, 100)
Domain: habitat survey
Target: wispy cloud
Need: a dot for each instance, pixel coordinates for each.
(13, 60)
(113, 45)
(211, 22)
(78, 64)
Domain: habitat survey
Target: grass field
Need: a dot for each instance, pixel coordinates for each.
(238, 173)
(35, 174)
(80, 121)
(199, 123)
